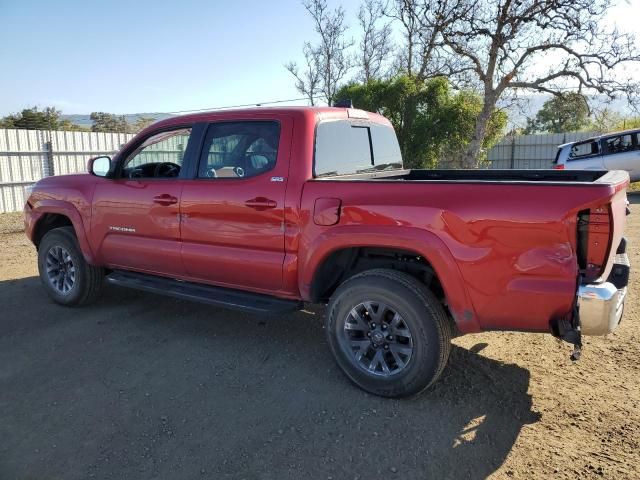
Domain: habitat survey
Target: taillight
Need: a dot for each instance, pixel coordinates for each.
(594, 238)
(558, 167)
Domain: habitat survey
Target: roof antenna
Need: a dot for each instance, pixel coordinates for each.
(344, 103)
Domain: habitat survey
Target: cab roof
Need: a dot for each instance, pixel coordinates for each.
(319, 113)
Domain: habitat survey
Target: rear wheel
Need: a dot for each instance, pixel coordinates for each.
(388, 333)
(64, 273)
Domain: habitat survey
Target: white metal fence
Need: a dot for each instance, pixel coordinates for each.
(26, 156)
(531, 151)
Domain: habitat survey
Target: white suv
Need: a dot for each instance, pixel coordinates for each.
(613, 151)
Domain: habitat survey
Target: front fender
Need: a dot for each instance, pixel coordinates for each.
(60, 207)
(422, 242)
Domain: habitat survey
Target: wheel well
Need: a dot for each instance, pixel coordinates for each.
(345, 263)
(48, 222)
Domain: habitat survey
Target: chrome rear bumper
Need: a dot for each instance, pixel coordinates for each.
(601, 305)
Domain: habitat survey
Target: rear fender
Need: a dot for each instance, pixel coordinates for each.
(422, 242)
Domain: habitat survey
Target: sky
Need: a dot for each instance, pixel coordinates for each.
(147, 56)
(159, 56)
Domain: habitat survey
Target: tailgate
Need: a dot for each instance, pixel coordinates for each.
(610, 217)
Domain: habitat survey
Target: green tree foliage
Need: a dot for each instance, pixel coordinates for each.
(434, 124)
(627, 123)
(33, 119)
(108, 122)
(72, 127)
(141, 123)
(565, 112)
(607, 120)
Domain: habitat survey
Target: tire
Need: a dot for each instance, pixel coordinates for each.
(64, 273)
(407, 308)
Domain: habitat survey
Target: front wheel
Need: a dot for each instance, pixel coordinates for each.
(388, 332)
(64, 273)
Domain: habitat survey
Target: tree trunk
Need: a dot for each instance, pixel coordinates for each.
(471, 156)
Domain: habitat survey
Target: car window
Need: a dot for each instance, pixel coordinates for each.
(583, 149)
(159, 156)
(239, 149)
(344, 147)
(618, 144)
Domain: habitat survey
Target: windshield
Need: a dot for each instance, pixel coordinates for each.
(345, 147)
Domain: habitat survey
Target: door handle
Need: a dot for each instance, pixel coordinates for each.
(261, 203)
(165, 199)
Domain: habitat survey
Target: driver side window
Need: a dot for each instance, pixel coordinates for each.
(159, 156)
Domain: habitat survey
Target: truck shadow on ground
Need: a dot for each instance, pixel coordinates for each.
(141, 386)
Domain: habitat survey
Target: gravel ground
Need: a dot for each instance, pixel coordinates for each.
(140, 386)
(11, 222)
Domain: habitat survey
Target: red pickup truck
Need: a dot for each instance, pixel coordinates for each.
(264, 209)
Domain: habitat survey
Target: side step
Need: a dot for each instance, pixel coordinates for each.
(224, 297)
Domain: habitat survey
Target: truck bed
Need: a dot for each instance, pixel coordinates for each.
(490, 176)
(512, 234)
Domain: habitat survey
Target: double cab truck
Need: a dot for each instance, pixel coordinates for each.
(265, 209)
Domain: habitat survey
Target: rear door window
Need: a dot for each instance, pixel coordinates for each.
(584, 149)
(619, 144)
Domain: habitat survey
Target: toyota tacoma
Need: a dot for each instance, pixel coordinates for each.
(265, 209)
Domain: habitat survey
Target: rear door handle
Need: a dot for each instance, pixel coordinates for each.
(261, 203)
(165, 199)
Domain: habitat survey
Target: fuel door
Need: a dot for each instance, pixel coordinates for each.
(326, 211)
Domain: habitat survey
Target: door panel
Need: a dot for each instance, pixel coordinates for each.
(628, 161)
(232, 226)
(621, 152)
(592, 163)
(132, 230)
(136, 216)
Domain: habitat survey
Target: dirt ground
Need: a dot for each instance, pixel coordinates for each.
(141, 386)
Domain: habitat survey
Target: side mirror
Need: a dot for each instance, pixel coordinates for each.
(99, 166)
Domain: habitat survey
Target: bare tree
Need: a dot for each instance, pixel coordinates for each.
(307, 81)
(375, 44)
(329, 61)
(422, 22)
(403, 13)
(538, 45)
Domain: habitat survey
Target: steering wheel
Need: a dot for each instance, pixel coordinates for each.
(166, 169)
(136, 173)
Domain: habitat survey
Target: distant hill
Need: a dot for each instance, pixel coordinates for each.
(85, 120)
